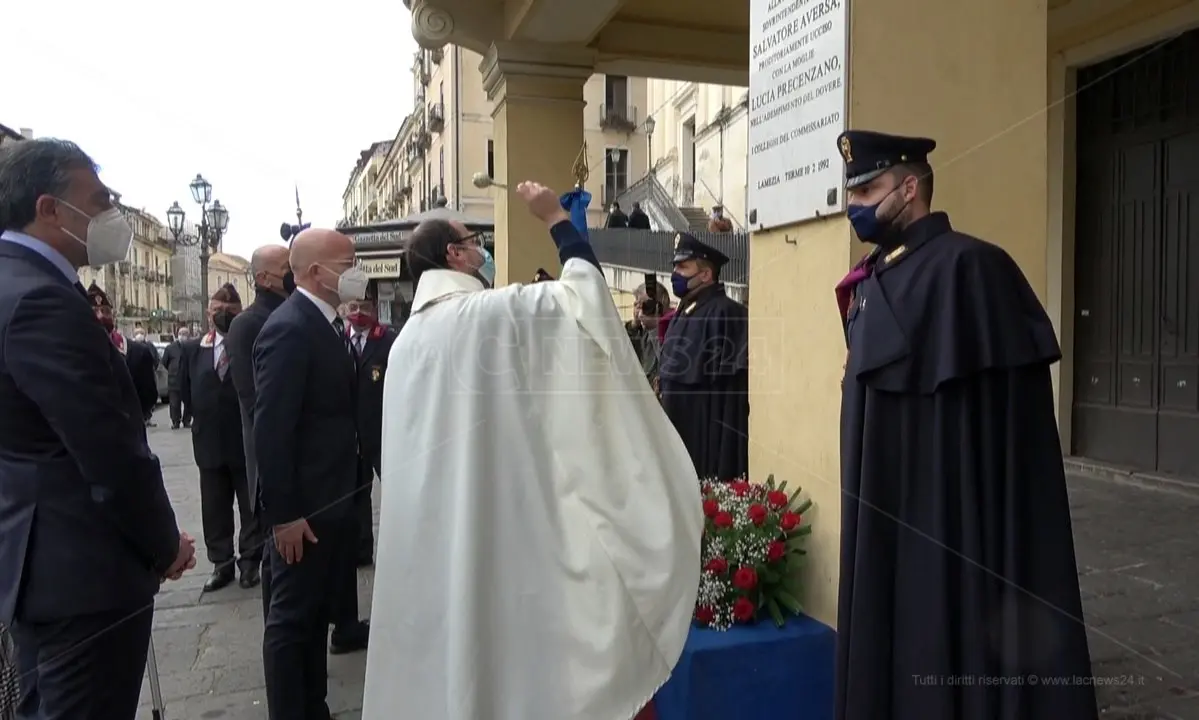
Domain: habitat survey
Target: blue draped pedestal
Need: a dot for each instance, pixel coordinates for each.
(760, 672)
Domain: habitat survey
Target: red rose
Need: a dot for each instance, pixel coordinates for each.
(744, 610)
(717, 565)
(789, 521)
(739, 487)
(711, 507)
(705, 615)
(776, 551)
(777, 498)
(746, 578)
(722, 520)
(757, 514)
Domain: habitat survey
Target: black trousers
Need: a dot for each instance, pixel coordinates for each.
(181, 410)
(345, 580)
(218, 489)
(88, 667)
(297, 624)
(365, 510)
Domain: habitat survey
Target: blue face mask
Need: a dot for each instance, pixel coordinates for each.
(487, 269)
(679, 284)
(866, 223)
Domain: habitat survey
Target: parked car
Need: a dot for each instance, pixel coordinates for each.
(161, 373)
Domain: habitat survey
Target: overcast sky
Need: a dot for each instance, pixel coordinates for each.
(257, 95)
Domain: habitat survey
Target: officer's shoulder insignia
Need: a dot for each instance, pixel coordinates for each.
(894, 254)
(677, 239)
(846, 151)
(376, 373)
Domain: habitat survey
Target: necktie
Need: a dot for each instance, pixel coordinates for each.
(358, 343)
(222, 361)
(340, 326)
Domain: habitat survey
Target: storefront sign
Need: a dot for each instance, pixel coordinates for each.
(380, 267)
(389, 237)
(798, 79)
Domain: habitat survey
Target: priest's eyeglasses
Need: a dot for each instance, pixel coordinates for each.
(475, 239)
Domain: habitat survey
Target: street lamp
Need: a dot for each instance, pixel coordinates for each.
(214, 220)
(650, 124)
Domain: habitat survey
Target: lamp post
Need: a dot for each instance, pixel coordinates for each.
(650, 124)
(214, 220)
(614, 156)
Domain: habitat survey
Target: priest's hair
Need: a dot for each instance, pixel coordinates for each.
(227, 293)
(428, 247)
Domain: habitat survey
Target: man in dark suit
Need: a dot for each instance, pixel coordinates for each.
(87, 532)
(141, 359)
(273, 283)
(306, 444)
(370, 343)
(180, 406)
(217, 445)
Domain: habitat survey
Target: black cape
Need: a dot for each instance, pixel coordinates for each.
(958, 577)
(703, 379)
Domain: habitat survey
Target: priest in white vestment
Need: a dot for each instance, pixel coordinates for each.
(539, 536)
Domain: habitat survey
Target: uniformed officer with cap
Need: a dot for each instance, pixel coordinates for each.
(138, 357)
(704, 373)
(957, 558)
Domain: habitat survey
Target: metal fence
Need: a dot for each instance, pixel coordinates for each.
(654, 251)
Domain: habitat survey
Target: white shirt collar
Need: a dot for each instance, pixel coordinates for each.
(436, 284)
(326, 309)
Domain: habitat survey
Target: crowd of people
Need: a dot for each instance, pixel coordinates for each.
(538, 550)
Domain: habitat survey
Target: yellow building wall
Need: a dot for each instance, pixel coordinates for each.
(982, 96)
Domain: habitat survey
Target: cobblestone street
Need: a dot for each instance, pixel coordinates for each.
(1137, 552)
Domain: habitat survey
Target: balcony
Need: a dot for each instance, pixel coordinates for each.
(436, 117)
(123, 267)
(619, 118)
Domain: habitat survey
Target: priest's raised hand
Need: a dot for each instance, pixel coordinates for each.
(519, 541)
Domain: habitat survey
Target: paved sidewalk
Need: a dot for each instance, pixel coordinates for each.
(1138, 556)
(209, 646)
(1138, 553)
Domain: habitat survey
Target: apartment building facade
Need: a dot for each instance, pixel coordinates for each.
(448, 138)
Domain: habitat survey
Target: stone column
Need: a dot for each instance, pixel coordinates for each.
(537, 96)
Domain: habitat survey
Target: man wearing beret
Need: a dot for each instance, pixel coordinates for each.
(703, 376)
(957, 559)
(140, 357)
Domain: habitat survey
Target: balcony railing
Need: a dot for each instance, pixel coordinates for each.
(123, 267)
(436, 117)
(621, 118)
(652, 251)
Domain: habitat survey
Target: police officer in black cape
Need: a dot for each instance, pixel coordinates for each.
(703, 377)
(958, 577)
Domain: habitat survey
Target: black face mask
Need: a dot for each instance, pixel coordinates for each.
(221, 319)
(289, 282)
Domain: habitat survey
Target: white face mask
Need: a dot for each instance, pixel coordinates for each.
(351, 284)
(108, 236)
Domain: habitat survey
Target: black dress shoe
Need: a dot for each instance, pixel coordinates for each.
(220, 578)
(351, 639)
(249, 578)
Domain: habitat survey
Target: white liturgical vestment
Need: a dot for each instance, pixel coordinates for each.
(539, 536)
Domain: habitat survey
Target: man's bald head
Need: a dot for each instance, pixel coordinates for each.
(269, 265)
(318, 257)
